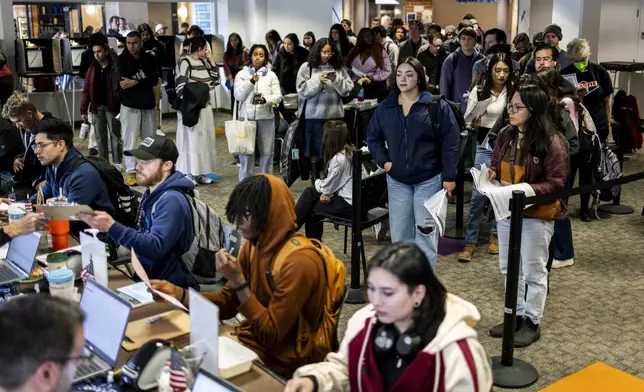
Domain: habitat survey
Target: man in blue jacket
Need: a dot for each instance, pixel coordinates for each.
(162, 236)
(66, 177)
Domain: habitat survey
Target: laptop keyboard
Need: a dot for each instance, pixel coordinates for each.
(86, 367)
(6, 274)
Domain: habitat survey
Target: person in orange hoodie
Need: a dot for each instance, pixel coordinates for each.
(263, 209)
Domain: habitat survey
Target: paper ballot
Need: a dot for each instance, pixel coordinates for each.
(437, 207)
(498, 194)
(477, 111)
(140, 272)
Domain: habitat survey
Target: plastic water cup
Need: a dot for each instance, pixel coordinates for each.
(56, 261)
(16, 212)
(61, 283)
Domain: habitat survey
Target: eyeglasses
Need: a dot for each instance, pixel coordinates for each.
(39, 146)
(514, 108)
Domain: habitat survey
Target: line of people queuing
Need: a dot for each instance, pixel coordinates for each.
(532, 128)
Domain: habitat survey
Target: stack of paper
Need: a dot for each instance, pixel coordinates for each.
(437, 207)
(498, 194)
(477, 111)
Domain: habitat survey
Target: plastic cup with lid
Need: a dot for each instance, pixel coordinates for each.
(61, 283)
(56, 261)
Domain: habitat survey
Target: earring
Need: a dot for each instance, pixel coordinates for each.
(416, 304)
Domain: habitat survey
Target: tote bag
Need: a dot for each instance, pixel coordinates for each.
(240, 135)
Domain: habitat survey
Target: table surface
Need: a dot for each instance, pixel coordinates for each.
(256, 380)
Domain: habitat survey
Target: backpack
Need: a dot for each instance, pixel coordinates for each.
(323, 339)
(590, 147)
(209, 239)
(123, 198)
(608, 169)
(456, 111)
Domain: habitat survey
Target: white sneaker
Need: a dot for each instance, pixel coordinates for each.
(562, 263)
(160, 132)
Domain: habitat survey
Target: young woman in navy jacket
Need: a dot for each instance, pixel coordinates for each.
(420, 157)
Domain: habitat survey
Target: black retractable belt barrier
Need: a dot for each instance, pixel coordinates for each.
(507, 371)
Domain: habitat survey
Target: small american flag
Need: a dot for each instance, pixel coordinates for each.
(88, 272)
(178, 380)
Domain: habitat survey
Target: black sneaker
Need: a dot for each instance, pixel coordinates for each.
(497, 330)
(529, 334)
(93, 152)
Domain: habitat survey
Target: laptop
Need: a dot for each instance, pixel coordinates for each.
(206, 382)
(106, 317)
(21, 258)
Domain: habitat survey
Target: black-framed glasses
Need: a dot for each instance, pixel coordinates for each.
(39, 146)
(514, 108)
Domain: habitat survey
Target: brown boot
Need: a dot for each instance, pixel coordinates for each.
(493, 246)
(467, 254)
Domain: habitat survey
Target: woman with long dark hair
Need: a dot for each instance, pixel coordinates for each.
(413, 335)
(309, 40)
(235, 57)
(400, 35)
(288, 62)
(420, 157)
(333, 194)
(197, 143)
(530, 151)
(321, 83)
(340, 42)
(274, 44)
(369, 63)
(498, 83)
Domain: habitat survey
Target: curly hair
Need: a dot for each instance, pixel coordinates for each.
(16, 105)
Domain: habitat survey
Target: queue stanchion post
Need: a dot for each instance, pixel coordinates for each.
(507, 371)
(458, 231)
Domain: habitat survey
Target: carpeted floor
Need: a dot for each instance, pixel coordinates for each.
(594, 311)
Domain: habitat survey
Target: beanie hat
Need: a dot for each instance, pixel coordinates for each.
(554, 29)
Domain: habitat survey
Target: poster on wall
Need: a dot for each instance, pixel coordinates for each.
(427, 17)
(411, 16)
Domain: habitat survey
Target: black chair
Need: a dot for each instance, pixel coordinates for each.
(369, 199)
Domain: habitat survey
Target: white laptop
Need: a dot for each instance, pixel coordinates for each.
(206, 382)
(106, 316)
(21, 258)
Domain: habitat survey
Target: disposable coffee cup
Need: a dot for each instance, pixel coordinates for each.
(61, 283)
(16, 212)
(56, 261)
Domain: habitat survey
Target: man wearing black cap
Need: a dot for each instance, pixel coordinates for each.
(552, 35)
(162, 236)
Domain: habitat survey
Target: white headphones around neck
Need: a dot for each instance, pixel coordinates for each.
(262, 71)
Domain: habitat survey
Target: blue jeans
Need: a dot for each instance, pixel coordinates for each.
(564, 248)
(409, 220)
(313, 138)
(477, 204)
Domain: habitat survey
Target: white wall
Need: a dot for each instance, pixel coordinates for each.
(567, 14)
(618, 22)
(540, 15)
(317, 16)
(590, 19)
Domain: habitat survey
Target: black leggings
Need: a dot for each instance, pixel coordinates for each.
(585, 178)
(309, 204)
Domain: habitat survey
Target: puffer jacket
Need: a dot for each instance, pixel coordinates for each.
(267, 85)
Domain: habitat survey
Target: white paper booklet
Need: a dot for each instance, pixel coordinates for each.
(498, 194)
(477, 111)
(437, 208)
(137, 294)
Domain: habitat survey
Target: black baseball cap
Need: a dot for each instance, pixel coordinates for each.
(154, 147)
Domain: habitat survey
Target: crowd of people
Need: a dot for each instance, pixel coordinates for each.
(539, 106)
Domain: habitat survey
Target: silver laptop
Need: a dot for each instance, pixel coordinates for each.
(106, 316)
(206, 382)
(21, 258)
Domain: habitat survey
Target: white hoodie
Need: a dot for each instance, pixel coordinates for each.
(268, 86)
(455, 331)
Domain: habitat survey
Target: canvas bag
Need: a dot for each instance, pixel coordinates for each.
(240, 134)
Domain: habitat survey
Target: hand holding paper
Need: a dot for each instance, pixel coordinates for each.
(437, 208)
(498, 194)
(140, 272)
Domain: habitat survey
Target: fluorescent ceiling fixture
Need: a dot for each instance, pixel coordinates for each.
(183, 12)
(91, 9)
(388, 2)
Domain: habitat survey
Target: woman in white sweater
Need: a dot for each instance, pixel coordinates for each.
(413, 335)
(258, 89)
(333, 194)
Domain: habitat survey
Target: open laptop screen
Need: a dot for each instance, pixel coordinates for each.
(22, 251)
(206, 382)
(106, 316)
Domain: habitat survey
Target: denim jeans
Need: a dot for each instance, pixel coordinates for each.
(564, 248)
(409, 219)
(477, 204)
(265, 141)
(535, 239)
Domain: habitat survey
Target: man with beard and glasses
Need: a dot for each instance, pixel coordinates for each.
(41, 343)
(164, 229)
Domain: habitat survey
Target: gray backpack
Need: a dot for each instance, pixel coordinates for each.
(209, 239)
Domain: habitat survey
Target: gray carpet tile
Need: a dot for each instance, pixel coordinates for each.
(593, 313)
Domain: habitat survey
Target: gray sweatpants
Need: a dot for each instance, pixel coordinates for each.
(135, 123)
(107, 128)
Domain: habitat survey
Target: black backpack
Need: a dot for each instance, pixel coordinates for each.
(122, 196)
(456, 110)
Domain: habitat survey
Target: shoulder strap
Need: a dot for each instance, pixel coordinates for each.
(433, 110)
(297, 242)
(189, 67)
(76, 164)
(455, 60)
(471, 365)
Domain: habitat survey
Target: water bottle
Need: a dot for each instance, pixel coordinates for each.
(84, 130)
(361, 95)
